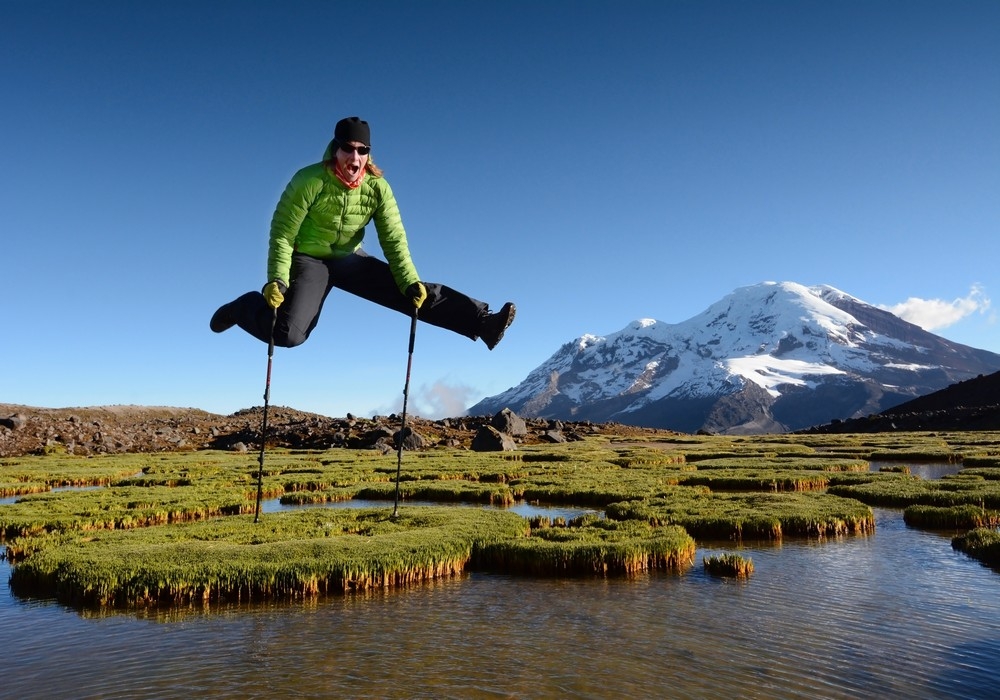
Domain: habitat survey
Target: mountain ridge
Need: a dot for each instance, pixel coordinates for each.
(771, 357)
(972, 404)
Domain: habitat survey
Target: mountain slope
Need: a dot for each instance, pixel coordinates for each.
(770, 357)
(973, 404)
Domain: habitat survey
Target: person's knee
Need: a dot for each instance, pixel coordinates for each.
(290, 338)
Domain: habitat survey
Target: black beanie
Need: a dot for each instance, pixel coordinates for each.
(352, 129)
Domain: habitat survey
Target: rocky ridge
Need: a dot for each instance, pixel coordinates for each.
(122, 429)
(973, 404)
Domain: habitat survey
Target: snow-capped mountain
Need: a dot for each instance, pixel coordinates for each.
(771, 357)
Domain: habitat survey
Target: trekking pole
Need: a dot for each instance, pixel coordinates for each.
(406, 394)
(263, 427)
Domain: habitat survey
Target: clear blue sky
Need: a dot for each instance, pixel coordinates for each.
(595, 162)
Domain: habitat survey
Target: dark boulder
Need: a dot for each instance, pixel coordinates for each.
(14, 422)
(509, 423)
(489, 439)
(411, 440)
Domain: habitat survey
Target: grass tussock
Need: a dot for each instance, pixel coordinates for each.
(597, 547)
(751, 516)
(986, 461)
(731, 565)
(982, 544)
(20, 488)
(896, 469)
(963, 517)
(116, 508)
(903, 491)
(287, 555)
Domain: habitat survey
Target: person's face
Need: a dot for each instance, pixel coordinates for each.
(352, 164)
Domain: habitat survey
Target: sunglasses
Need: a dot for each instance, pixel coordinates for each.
(362, 150)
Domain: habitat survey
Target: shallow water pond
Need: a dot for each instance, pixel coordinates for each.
(525, 510)
(895, 614)
(924, 470)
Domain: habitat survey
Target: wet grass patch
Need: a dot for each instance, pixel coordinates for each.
(775, 474)
(982, 544)
(729, 565)
(902, 491)
(593, 547)
(117, 507)
(310, 553)
(751, 516)
(20, 488)
(964, 517)
(895, 469)
(757, 480)
(802, 463)
(56, 471)
(285, 556)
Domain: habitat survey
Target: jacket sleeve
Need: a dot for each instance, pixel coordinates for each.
(392, 238)
(289, 214)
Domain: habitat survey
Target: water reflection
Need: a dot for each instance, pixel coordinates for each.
(522, 508)
(927, 470)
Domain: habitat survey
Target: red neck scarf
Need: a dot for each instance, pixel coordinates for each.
(340, 176)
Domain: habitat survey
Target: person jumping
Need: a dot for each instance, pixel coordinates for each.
(315, 245)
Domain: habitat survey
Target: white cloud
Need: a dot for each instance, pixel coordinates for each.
(934, 314)
(439, 400)
(443, 400)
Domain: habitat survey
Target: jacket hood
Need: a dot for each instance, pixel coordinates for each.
(328, 153)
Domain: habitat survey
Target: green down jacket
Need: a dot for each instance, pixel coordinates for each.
(320, 216)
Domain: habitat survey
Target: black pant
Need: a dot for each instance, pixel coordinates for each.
(359, 274)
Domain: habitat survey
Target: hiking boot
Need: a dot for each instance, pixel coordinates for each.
(222, 319)
(492, 327)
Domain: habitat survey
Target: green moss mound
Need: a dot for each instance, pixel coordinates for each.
(596, 546)
(964, 517)
(729, 565)
(752, 516)
(285, 555)
(328, 551)
(982, 544)
(901, 491)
